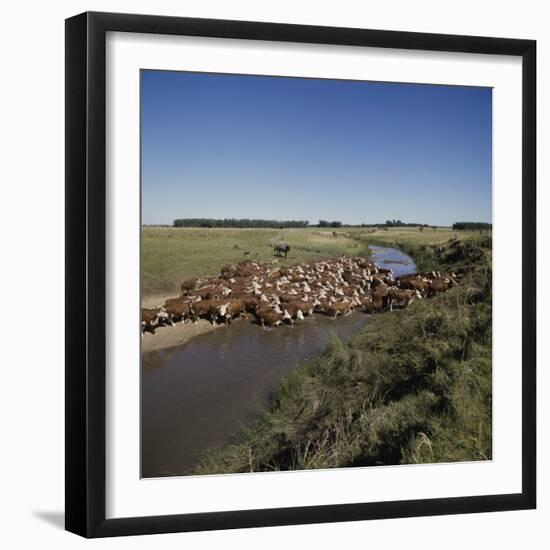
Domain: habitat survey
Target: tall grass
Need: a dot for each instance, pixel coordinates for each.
(413, 387)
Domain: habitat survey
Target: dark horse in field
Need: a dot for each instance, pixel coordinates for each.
(282, 248)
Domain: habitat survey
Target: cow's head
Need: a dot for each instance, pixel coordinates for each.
(162, 314)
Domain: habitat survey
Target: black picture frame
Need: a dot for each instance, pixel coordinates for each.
(86, 262)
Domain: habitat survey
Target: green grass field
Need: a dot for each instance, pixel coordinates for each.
(169, 255)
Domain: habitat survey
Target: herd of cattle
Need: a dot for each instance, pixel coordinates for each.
(277, 295)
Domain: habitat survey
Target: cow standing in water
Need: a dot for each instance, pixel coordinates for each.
(282, 248)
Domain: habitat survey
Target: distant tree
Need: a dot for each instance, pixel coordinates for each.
(471, 225)
(395, 223)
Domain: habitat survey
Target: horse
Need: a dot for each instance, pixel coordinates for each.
(282, 248)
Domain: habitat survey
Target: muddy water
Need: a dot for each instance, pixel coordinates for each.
(196, 395)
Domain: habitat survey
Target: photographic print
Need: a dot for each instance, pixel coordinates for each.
(316, 273)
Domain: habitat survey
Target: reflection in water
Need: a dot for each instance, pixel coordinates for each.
(194, 396)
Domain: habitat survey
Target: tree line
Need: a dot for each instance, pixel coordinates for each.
(281, 224)
(250, 223)
(326, 223)
(238, 223)
(395, 223)
(471, 225)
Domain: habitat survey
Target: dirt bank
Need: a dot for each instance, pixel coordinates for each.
(167, 337)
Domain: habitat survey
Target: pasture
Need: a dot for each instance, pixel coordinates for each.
(397, 236)
(169, 255)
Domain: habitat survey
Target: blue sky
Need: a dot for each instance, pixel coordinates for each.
(234, 146)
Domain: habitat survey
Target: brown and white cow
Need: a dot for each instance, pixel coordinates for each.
(208, 309)
(439, 285)
(177, 311)
(402, 298)
(339, 308)
(267, 316)
(232, 310)
(150, 318)
(189, 284)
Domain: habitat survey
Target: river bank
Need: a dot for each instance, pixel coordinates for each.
(169, 337)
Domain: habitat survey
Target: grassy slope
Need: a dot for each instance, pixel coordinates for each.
(171, 254)
(413, 387)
